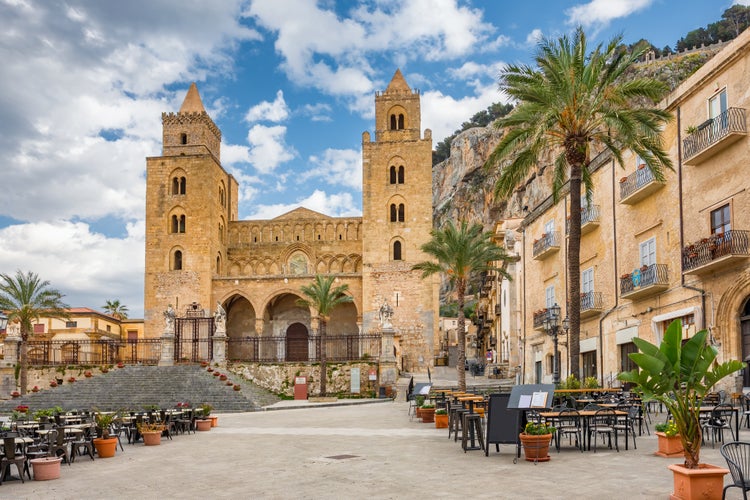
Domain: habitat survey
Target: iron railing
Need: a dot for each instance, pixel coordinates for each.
(716, 246)
(339, 348)
(546, 241)
(539, 317)
(713, 130)
(655, 274)
(635, 181)
(589, 213)
(141, 351)
(591, 300)
(72, 352)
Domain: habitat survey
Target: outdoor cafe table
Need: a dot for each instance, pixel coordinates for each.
(586, 416)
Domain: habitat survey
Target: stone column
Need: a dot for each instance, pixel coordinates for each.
(10, 359)
(387, 368)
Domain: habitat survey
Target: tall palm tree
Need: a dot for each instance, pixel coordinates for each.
(324, 297)
(459, 252)
(575, 104)
(24, 298)
(115, 309)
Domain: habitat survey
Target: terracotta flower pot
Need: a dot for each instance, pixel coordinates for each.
(707, 481)
(105, 448)
(669, 446)
(203, 425)
(46, 468)
(428, 415)
(214, 421)
(536, 447)
(151, 438)
(441, 421)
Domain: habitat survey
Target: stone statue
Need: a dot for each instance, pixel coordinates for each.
(220, 317)
(169, 318)
(385, 314)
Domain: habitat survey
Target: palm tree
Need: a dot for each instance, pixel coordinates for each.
(24, 298)
(115, 309)
(459, 252)
(576, 104)
(323, 297)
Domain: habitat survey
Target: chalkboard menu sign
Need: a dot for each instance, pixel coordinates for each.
(503, 424)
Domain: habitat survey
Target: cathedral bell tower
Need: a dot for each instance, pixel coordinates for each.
(397, 220)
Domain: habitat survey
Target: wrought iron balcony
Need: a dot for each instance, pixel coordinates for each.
(648, 280)
(591, 304)
(590, 216)
(714, 135)
(539, 317)
(638, 185)
(547, 244)
(716, 251)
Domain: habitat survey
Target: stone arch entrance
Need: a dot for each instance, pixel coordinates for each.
(297, 342)
(745, 335)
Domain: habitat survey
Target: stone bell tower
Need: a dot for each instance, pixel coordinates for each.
(397, 220)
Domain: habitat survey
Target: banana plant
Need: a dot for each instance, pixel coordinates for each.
(679, 376)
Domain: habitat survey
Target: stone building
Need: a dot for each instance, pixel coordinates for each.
(198, 254)
(651, 252)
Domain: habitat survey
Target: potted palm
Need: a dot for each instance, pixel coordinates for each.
(105, 445)
(679, 376)
(204, 424)
(151, 433)
(535, 440)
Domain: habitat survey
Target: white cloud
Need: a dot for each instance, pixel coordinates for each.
(318, 112)
(337, 166)
(113, 267)
(334, 205)
(600, 12)
(741, 2)
(276, 111)
(268, 149)
(534, 36)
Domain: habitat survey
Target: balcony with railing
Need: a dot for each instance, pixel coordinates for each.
(648, 280)
(591, 304)
(638, 185)
(546, 245)
(590, 217)
(716, 252)
(539, 317)
(714, 135)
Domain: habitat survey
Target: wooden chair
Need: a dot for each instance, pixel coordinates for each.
(12, 457)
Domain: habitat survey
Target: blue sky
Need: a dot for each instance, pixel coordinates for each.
(290, 83)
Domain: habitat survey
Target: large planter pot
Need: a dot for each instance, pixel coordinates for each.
(151, 438)
(203, 425)
(669, 446)
(46, 468)
(214, 421)
(441, 421)
(706, 482)
(428, 415)
(105, 448)
(536, 447)
(418, 412)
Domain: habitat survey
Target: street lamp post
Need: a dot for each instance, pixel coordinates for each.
(552, 326)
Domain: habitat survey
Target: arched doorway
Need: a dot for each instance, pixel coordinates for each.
(296, 342)
(745, 333)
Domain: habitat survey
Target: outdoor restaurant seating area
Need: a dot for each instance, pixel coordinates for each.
(33, 439)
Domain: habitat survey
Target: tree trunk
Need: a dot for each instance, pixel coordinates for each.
(323, 367)
(461, 336)
(23, 361)
(574, 271)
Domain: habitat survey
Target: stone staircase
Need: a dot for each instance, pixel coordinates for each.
(133, 387)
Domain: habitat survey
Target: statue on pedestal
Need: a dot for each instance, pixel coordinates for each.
(169, 319)
(384, 315)
(220, 317)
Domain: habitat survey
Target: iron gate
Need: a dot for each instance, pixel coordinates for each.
(193, 339)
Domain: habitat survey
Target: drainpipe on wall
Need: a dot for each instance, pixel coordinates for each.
(617, 295)
(523, 315)
(682, 225)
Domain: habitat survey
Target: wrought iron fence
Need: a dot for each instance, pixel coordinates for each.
(339, 348)
(141, 351)
(655, 274)
(716, 246)
(731, 120)
(546, 241)
(92, 352)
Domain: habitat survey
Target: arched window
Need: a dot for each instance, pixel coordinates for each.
(218, 264)
(175, 224)
(393, 174)
(396, 250)
(401, 211)
(394, 215)
(183, 183)
(222, 198)
(182, 224)
(393, 122)
(401, 174)
(178, 185)
(401, 121)
(183, 138)
(177, 260)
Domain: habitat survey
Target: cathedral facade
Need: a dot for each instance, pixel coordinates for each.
(199, 253)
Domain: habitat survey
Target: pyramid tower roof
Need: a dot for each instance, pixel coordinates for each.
(398, 83)
(192, 102)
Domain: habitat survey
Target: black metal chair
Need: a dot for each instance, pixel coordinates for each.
(82, 444)
(720, 419)
(627, 425)
(603, 423)
(12, 457)
(737, 455)
(569, 424)
(58, 445)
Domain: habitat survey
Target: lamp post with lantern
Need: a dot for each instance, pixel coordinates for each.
(552, 327)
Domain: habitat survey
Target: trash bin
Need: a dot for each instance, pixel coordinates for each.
(300, 387)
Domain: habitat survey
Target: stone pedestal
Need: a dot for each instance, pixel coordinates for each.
(219, 348)
(167, 349)
(386, 345)
(8, 381)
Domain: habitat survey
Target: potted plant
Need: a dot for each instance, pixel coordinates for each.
(151, 433)
(88, 374)
(46, 468)
(441, 419)
(105, 445)
(419, 401)
(535, 440)
(204, 424)
(237, 387)
(428, 413)
(679, 376)
(669, 441)
(35, 388)
(53, 383)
